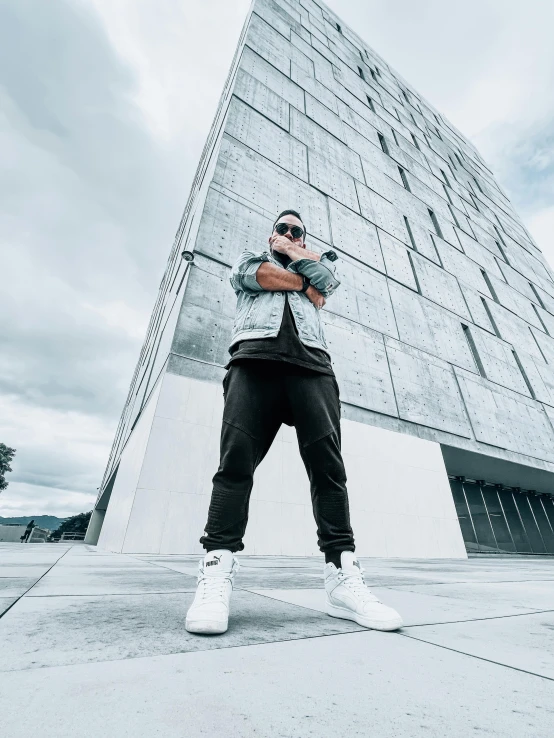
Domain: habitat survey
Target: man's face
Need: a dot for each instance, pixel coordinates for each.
(291, 221)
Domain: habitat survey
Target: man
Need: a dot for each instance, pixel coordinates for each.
(280, 372)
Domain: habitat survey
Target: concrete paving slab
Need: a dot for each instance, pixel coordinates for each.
(352, 685)
(15, 586)
(522, 642)
(85, 581)
(6, 602)
(522, 596)
(70, 630)
(415, 608)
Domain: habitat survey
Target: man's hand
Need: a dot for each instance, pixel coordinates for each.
(280, 244)
(285, 246)
(315, 297)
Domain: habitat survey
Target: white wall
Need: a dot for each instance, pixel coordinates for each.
(400, 498)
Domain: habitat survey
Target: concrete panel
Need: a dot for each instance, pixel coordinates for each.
(513, 329)
(476, 307)
(277, 17)
(429, 328)
(498, 361)
(269, 44)
(263, 136)
(322, 142)
(397, 260)
(518, 281)
(546, 345)
(360, 364)
(333, 181)
(256, 66)
(464, 268)
(515, 302)
(381, 212)
(262, 99)
(355, 236)
(504, 419)
(540, 376)
(227, 227)
(325, 117)
(426, 390)
(259, 181)
(313, 87)
(365, 298)
(440, 286)
(203, 335)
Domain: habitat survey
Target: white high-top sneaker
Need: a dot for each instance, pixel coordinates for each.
(350, 598)
(209, 612)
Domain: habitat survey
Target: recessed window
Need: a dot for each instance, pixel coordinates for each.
(489, 285)
(539, 298)
(459, 160)
(410, 234)
(478, 185)
(370, 103)
(438, 133)
(378, 71)
(436, 118)
(524, 375)
(435, 223)
(362, 55)
(404, 178)
(473, 349)
(447, 193)
(361, 73)
(383, 143)
(405, 95)
(394, 136)
(338, 27)
(373, 77)
(445, 177)
(416, 142)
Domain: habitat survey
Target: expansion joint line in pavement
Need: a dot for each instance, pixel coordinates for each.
(473, 656)
(35, 583)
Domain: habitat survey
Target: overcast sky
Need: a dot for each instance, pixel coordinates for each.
(104, 109)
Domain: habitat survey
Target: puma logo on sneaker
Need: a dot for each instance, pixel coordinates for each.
(209, 611)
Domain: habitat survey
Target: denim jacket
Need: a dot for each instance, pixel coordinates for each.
(259, 312)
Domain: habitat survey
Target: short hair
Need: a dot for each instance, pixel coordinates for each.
(290, 212)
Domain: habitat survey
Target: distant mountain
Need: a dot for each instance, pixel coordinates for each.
(50, 522)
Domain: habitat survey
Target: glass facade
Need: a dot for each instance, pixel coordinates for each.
(498, 519)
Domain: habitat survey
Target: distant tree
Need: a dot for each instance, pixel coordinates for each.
(74, 524)
(6, 456)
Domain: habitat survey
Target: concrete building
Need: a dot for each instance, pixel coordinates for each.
(441, 334)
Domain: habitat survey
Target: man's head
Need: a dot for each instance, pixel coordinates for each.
(289, 224)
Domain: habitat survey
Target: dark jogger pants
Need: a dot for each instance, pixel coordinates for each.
(259, 396)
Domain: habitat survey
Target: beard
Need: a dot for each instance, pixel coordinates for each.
(282, 258)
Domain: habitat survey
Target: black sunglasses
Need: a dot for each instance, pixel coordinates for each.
(295, 231)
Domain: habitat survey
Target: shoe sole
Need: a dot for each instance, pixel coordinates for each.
(339, 612)
(210, 627)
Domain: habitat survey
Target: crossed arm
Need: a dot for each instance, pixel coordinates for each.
(272, 278)
(254, 272)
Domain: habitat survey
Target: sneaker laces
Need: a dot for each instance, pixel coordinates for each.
(212, 588)
(357, 585)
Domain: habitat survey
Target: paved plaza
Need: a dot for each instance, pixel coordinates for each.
(94, 644)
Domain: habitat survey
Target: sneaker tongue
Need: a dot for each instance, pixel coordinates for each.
(217, 562)
(349, 562)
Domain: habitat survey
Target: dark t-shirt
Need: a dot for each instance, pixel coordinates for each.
(286, 346)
